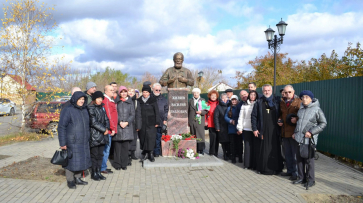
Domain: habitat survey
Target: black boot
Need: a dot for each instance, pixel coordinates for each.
(79, 181)
(233, 159)
(151, 157)
(133, 155)
(94, 175)
(130, 161)
(71, 184)
(100, 175)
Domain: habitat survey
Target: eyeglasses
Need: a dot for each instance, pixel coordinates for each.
(288, 92)
(157, 90)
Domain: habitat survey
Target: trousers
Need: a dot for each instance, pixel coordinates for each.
(301, 166)
(70, 175)
(213, 142)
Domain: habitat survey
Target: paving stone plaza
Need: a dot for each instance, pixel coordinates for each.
(223, 182)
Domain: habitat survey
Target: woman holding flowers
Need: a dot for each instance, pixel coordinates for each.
(197, 109)
(213, 138)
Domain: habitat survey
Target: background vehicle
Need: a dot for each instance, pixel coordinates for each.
(7, 107)
(63, 99)
(45, 116)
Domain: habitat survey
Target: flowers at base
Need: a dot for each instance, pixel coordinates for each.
(187, 153)
(176, 137)
(176, 140)
(165, 138)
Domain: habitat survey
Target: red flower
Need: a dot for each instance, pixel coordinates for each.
(165, 138)
(188, 138)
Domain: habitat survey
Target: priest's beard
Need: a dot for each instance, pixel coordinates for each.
(178, 66)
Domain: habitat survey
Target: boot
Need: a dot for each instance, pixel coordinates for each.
(94, 175)
(233, 158)
(130, 161)
(225, 157)
(71, 185)
(133, 155)
(151, 157)
(240, 160)
(79, 181)
(100, 175)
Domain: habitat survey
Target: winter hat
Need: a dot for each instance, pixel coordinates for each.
(90, 85)
(146, 83)
(308, 93)
(137, 91)
(146, 88)
(97, 94)
(228, 90)
(234, 97)
(196, 90)
(121, 88)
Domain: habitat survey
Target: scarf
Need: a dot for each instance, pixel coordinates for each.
(195, 100)
(124, 99)
(270, 102)
(145, 99)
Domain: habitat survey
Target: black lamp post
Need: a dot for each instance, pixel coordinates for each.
(200, 75)
(274, 44)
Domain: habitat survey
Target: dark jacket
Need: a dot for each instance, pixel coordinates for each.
(163, 109)
(74, 132)
(89, 97)
(149, 118)
(99, 123)
(126, 113)
(192, 114)
(220, 123)
(232, 129)
(257, 116)
(138, 121)
(65, 105)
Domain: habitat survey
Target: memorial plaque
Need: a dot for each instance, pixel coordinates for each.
(178, 111)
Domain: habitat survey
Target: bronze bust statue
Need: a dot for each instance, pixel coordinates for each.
(177, 76)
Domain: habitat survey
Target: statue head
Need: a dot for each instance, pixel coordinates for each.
(178, 59)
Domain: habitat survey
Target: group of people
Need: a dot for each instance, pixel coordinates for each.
(254, 129)
(94, 125)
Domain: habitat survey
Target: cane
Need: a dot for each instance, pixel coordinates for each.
(308, 165)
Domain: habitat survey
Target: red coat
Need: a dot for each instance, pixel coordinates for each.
(210, 114)
(111, 112)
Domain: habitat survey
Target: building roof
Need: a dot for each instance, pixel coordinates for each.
(221, 86)
(17, 78)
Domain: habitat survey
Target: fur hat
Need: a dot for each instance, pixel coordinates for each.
(146, 88)
(97, 94)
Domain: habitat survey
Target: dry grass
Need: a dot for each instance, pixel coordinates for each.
(21, 137)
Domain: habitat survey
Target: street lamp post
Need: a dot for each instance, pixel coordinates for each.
(200, 75)
(274, 44)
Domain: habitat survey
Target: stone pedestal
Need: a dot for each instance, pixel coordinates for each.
(167, 148)
(178, 111)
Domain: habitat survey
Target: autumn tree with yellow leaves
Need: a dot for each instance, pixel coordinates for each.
(25, 43)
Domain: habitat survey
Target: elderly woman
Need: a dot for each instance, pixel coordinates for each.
(311, 122)
(125, 129)
(150, 121)
(196, 119)
(221, 126)
(100, 126)
(74, 135)
(137, 125)
(213, 138)
(231, 117)
(244, 127)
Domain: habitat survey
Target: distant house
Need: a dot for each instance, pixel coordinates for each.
(220, 87)
(10, 88)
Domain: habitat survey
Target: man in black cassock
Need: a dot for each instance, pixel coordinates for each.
(264, 125)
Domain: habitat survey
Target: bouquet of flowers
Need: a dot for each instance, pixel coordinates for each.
(165, 138)
(187, 153)
(201, 105)
(176, 140)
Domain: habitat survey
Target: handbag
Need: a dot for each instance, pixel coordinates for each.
(61, 157)
(304, 149)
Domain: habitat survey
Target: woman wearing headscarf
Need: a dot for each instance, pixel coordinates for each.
(100, 126)
(221, 125)
(149, 118)
(244, 127)
(74, 135)
(125, 129)
(213, 138)
(311, 122)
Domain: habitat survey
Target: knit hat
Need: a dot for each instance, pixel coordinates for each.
(308, 93)
(146, 88)
(196, 90)
(121, 88)
(137, 91)
(146, 83)
(234, 97)
(228, 90)
(90, 85)
(97, 94)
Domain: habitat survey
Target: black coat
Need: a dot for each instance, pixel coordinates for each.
(126, 113)
(220, 123)
(74, 132)
(150, 118)
(163, 109)
(257, 116)
(138, 121)
(99, 123)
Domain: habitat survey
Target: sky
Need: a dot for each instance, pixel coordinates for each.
(135, 36)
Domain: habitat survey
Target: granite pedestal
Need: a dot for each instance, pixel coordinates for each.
(178, 111)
